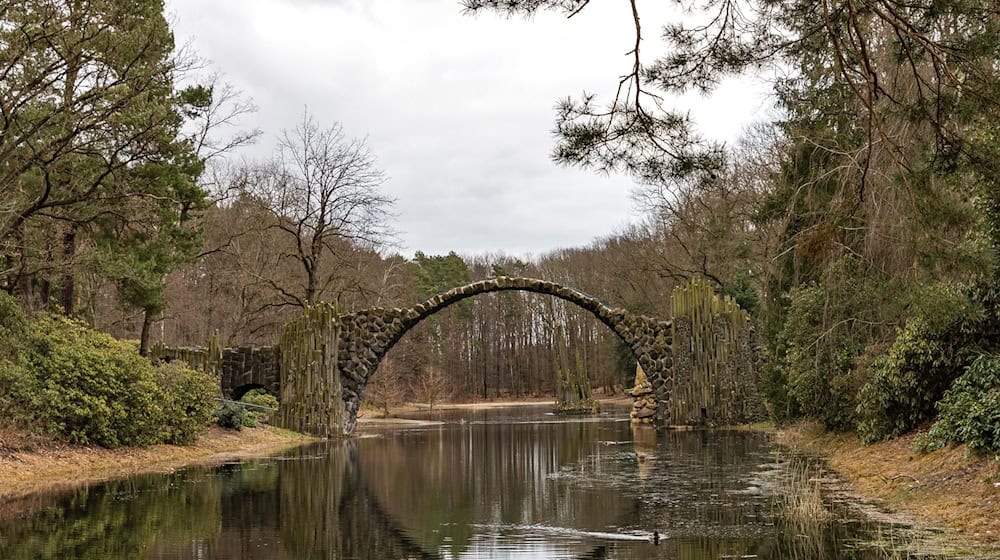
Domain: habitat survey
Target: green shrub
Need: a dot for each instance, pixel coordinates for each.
(188, 401)
(260, 397)
(14, 380)
(15, 385)
(780, 404)
(86, 387)
(233, 416)
(970, 410)
(910, 378)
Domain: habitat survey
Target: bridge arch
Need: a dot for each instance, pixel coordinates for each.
(366, 336)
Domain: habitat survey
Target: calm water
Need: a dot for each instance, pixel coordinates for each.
(500, 483)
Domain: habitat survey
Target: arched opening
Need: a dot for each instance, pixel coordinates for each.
(366, 336)
(238, 392)
(514, 345)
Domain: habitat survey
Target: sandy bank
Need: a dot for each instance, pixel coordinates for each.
(368, 413)
(946, 488)
(30, 464)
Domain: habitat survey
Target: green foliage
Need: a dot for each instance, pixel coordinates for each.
(231, 416)
(922, 362)
(13, 325)
(15, 386)
(188, 401)
(89, 388)
(825, 331)
(781, 405)
(86, 387)
(117, 143)
(970, 410)
(260, 397)
(234, 416)
(743, 291)
(435, 274)
(13, 328)
(900, 395)
(830, 362)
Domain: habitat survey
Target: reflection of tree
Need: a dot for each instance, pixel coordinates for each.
(327, 510)
(368, 529)
(311, 492)
(420, 494)
(492, 474)
(118, 520)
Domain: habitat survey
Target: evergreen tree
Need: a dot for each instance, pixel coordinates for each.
(90, 131)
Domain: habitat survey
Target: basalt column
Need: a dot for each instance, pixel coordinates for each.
(715, 379)
(311, 399)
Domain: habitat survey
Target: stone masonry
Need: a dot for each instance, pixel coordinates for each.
(366, 336)
(644, 405)
(247, 367)
(238, 369)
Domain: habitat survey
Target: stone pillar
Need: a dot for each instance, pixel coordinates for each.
(715, 378)
(644, 402)
(311, 400)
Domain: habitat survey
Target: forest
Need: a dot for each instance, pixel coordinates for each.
(860, 227)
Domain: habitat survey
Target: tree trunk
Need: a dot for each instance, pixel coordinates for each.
(147, 324)
(67, 295)
(19, 281)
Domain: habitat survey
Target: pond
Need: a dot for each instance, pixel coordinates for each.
(496, 483)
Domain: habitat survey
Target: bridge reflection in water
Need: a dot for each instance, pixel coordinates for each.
(502, 484)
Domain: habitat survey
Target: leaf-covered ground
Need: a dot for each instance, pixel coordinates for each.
(949, 487)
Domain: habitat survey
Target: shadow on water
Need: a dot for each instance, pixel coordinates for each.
(502, 483)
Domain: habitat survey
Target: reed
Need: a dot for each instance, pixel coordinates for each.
(798, 493)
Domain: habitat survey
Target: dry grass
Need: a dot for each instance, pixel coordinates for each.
(947, 487)
(31, 464)
(800, 496)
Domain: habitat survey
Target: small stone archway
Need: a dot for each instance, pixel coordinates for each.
(238, 392)
(366, 336)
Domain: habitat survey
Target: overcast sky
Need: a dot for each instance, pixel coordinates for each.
(457, 109)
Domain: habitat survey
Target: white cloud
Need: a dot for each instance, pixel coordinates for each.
(457, 109)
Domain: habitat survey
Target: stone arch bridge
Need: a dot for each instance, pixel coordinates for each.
(366, 336)
(700, 366)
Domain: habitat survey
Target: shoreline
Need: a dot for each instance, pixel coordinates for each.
(947, 489)
(35, 466)
(408, 408)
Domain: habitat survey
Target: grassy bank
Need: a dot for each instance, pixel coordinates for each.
(949, 488)
(31, 464)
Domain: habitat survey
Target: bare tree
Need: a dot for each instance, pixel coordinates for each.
(432, 386)
(322, 191)
(387, 389)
